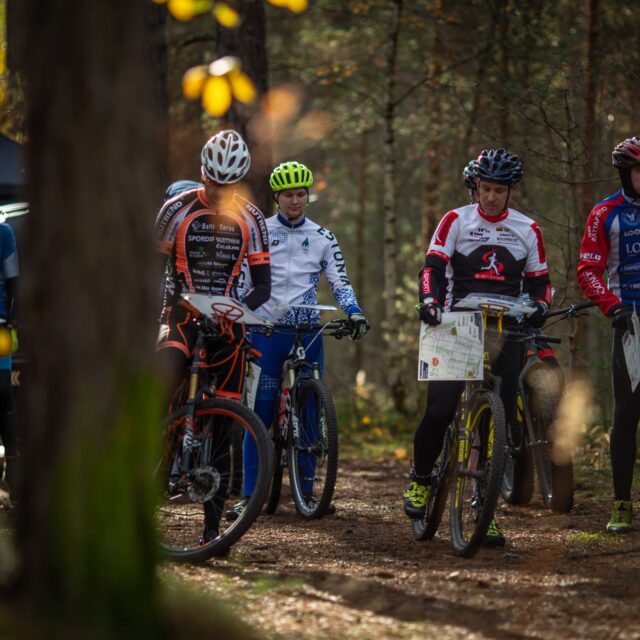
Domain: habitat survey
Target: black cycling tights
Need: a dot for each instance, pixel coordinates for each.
(8, 435)
(625, 423)
(442, 400)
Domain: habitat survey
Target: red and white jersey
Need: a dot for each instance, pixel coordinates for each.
(485, 254)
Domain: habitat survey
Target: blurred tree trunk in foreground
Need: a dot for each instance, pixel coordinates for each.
(86, 513)
(85, 517)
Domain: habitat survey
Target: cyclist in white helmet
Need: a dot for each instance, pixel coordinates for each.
(301, 251)
(206, 233)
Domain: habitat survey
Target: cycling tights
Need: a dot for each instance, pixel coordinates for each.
(625, 422)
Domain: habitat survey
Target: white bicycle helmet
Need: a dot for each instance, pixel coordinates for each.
(225, 157)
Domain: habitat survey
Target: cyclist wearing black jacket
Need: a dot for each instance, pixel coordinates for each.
(484, 247)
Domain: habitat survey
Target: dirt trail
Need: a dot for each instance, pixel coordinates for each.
(359, 574)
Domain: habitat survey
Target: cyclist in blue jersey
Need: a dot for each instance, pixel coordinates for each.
(611, 243)
(9, 272)
(301, 251)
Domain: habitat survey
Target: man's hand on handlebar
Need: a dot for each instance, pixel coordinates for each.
(537, 318)
(358, 326)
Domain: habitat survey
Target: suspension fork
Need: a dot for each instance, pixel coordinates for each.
(186, 462)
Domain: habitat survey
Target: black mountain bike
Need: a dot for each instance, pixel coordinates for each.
(305, 429)
(530, 434)
(196, 466)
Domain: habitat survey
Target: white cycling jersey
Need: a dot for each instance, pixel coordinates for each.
(300, 253)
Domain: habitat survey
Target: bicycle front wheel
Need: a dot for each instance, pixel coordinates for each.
(555, 478)
(195, 492)
(312, 452)
(477, 476)
(439, 491)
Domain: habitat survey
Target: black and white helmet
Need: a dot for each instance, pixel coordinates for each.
(225, 157)
(498, 165)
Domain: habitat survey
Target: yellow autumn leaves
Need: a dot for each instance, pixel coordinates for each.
(220, 82)
(224, 13)
(217, 84)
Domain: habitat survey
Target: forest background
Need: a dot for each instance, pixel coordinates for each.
(386, 101)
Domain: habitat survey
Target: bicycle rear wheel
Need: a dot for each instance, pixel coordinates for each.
(477, 476)
(517, 481)
(279, 459)
(555, 479)
(312, 453)
(192, 502)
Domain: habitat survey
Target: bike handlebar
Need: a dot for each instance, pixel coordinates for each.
(572, 309)
(339, 328)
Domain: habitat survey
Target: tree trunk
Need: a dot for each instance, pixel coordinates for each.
(395, 377)
(85, 530)
(361, 225)
(248, 43)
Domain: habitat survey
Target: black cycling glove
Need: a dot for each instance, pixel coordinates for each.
(431, 312)
(537, 318)
(621, 317)
(358, 326)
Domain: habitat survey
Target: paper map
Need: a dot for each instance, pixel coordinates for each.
(631, 348)
(453, 350)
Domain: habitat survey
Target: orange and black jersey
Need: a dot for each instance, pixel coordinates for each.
(206, 247)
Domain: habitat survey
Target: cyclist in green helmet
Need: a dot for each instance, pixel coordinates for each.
(301, 251)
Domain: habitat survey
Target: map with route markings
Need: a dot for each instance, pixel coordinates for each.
(453, 350)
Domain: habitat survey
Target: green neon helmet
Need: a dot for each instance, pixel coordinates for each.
(290, 175)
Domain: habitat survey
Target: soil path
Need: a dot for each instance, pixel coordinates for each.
(359, 574)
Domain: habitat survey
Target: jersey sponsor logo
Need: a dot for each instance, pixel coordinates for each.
(631, 232)
(596, 286)
(425, 282)
(630, 215)
(275, 242)
(480, 235)
(504, 235)
(632, 248)
(590, 256)
(592, 229)
(201, 238)
(196, 225)
(305, 244)
(493, 268)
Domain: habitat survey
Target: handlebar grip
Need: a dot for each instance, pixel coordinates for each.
(549, 339)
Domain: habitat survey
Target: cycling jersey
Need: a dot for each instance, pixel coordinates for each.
(206, 246)
(300, 253)
(472, 252)
(8, 269)
(611, 243)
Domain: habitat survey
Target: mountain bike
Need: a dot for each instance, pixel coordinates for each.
(305, 429)
(530, 433)
(196, 467)
(471, 462)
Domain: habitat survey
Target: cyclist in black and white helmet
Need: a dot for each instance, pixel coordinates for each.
(206, 234)
(485, 247)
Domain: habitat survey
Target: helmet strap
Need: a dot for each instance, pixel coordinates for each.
(627, 184)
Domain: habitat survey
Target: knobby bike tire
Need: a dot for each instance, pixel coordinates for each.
(477, 475)
(235, 484)
(275, 488)
(180, 513)
(555, 479)
(426, 528)
(519, 474)
(312, 439)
